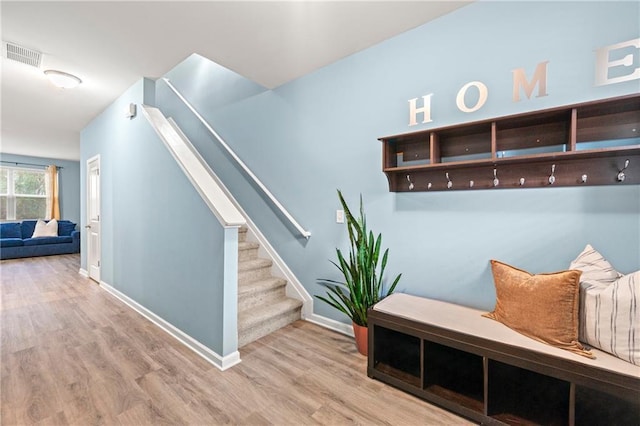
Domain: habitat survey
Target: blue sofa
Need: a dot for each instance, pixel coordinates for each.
(16, 241)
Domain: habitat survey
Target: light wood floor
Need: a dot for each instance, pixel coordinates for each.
(73, 354)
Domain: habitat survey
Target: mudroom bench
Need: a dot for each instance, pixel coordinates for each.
(477, 367)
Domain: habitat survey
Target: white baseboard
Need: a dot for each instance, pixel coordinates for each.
(84, 273)
(331, 324)
(221, 362)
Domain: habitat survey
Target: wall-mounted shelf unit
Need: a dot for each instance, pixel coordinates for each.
(594, 143)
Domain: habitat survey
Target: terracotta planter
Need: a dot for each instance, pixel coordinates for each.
(362, 338)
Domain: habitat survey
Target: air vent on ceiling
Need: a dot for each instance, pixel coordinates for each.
(23, 54)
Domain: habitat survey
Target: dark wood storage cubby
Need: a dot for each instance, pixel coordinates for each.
(580, 145)
(398, 355)
(495, 383)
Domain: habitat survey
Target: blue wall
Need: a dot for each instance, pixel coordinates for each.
(307, 138)
(161, 245)
(68, 180)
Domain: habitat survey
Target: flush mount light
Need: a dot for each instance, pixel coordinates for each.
(62, 79)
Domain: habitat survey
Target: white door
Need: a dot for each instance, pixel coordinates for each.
(93, 218)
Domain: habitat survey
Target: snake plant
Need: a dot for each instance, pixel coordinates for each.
(362, 271)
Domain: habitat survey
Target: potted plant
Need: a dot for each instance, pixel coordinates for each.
(362, 271)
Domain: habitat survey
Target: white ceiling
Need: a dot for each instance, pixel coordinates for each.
(110, 45)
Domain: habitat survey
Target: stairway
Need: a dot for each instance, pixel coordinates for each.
(263, 306)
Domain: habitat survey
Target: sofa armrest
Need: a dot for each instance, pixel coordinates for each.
(75, 235)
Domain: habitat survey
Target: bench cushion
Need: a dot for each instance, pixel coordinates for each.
(469, 321)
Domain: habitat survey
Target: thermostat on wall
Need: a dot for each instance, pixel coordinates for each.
(131, 111)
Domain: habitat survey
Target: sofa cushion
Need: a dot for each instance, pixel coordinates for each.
(47, 240)
(10, 230)
(542, 306)
(27, 228)
(11, 242)
(66, 227)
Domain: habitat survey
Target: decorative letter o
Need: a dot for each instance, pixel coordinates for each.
(482, 90)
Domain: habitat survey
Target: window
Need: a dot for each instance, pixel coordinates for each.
(22, 194)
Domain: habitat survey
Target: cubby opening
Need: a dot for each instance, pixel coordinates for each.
(408, 152)
(594, 407)
(519, 396)
(397, 354)
(609, 121)
(465, 143)
(535, 134)
(454, 375)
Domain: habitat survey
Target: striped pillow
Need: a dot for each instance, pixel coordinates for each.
(608, 306)
(596, 271)
(610, 318)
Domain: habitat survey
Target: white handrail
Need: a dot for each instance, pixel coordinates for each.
(273, 199)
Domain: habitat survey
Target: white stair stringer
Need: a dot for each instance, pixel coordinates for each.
(263, 306)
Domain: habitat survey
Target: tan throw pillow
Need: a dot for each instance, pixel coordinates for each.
(45, 229)
(542, 306)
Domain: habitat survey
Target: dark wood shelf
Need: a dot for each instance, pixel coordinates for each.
(466, 401)
(398, 374)
(593, 139)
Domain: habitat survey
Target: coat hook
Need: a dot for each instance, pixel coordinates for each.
(552, 178)
(429, 185)
(449, 183)
(496, 181)
(621, 175)
(410, 183)
(583, 179)
(521, 181)
(471, 183)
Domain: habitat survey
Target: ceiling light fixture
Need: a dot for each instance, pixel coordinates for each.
(62, 79)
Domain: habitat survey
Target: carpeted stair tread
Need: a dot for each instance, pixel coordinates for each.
(263, 305)
(260, 293)
(242, 234)
(247, 250)
(261, 285)
(247, 245)
(250, 265)
(263, 314)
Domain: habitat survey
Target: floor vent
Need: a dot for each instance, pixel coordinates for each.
(23, 54)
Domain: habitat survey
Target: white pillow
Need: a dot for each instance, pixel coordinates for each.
(596, 271)
(611, 318)
(44, 229)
